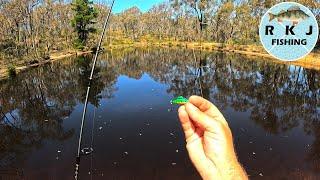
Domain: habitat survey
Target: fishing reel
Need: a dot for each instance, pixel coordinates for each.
(86, 151)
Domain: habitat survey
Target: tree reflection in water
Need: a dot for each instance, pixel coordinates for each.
(278, 97)
(35, 104)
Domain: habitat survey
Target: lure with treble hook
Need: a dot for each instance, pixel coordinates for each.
(179, 100)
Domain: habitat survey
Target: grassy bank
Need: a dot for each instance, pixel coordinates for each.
(312, 61)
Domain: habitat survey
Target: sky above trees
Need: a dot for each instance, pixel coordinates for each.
(143, 5)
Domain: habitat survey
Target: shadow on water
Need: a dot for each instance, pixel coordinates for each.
(272, 109)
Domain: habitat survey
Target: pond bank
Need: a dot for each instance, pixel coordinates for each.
(312, 61)
(53, 57)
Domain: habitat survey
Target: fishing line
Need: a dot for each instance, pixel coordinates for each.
(92, 137)
(79, 153)
(7, 121)
(197, 80)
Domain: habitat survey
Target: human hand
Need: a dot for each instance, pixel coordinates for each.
(209, 140)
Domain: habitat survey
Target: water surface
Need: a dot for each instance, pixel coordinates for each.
(272, 109)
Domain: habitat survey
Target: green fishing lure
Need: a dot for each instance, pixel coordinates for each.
(179, 100)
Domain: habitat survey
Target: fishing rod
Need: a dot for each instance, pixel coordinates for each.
(80, 152)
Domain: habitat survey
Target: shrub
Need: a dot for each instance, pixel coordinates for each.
(33, 62)
(78, 44)
(46, 56)
(12, 70)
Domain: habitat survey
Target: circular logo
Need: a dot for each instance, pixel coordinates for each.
(288, 31)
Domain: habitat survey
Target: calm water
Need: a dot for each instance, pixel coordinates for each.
(273, 110)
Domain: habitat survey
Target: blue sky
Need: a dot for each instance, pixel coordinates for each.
(143, 5)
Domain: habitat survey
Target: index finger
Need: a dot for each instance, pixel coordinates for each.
(207, 107)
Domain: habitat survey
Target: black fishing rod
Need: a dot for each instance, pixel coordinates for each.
(80, 152)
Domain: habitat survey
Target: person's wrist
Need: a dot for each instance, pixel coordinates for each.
(230, 167)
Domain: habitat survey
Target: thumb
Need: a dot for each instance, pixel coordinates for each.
(202, 119)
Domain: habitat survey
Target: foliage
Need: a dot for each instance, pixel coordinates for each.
(201, 8)
(231, 21)
(33, 29)
(11, 70)
(83, 21)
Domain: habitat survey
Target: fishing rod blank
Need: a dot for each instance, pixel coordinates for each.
(88, 92)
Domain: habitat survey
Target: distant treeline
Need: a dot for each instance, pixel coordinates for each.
(223, 21)
(31, 29)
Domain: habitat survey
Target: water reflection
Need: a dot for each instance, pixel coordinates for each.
(275, 98)
(279, 93)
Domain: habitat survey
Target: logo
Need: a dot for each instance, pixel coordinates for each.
(288, 31)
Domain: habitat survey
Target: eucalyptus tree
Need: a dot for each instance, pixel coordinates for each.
(202, 9)
(130, 21)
